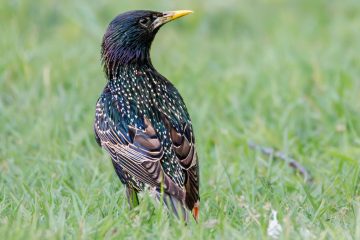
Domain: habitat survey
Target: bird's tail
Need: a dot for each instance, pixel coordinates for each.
(174, 205)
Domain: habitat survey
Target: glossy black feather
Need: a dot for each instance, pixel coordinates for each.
(141, 120)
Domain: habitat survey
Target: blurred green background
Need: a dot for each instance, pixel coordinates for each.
(282, 73)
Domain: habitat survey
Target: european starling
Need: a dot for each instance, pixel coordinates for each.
(142, 121)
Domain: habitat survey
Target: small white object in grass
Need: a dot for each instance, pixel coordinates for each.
(274, 229)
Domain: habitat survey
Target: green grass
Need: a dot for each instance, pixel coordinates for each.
(282, 73)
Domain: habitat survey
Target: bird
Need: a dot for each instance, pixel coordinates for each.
(141, 119)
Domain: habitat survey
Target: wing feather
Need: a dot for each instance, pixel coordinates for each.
(137, 151)
(184, 146)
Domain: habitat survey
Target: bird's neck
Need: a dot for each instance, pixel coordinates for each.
(121, 59)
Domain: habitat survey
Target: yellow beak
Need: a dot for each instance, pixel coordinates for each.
(172, 15)
(169, 16)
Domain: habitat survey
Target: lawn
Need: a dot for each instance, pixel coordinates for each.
(285, 74)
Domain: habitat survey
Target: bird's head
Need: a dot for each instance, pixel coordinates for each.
(129, 36)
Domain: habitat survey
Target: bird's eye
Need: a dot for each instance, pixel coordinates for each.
(145, 21)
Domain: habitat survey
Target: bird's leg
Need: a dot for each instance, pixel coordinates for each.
(132, 197)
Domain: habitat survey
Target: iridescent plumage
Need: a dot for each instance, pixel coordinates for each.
(141, 120)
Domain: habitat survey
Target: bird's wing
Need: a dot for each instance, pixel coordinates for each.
(136, 149)
(183, 143)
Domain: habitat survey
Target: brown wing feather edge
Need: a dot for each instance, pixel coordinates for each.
(184, 148)
(141, 157)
